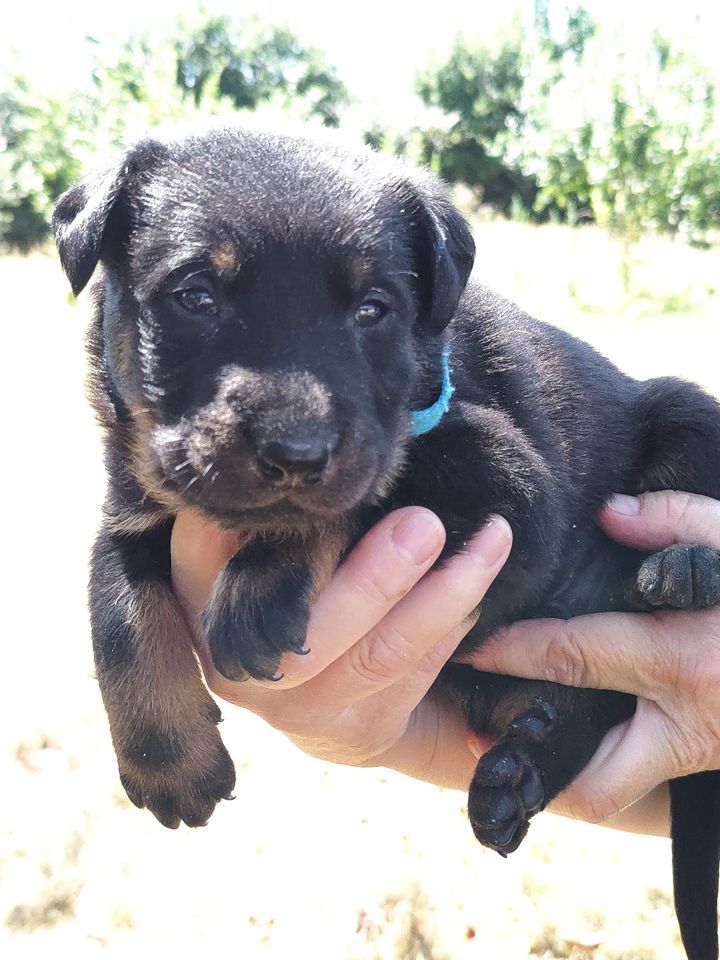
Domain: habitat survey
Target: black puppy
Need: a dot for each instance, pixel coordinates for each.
(283, 340)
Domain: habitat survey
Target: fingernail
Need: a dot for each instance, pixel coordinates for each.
(622, 503)
(474, 746)
(492, 541)
(478, 745)
(417, 537)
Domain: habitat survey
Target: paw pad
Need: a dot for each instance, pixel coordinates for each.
(506, 791)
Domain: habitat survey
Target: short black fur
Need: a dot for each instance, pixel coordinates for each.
(264, 292)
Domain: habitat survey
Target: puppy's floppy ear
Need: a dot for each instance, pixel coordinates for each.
(446, 254)
(82, 215)
(79, 222)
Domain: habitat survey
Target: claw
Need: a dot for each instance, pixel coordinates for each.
(299, 649)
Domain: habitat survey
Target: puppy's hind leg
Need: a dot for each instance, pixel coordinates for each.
(547, 734)
(695, 817)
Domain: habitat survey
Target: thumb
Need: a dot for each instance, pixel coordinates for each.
(655, 520)
(632, 760)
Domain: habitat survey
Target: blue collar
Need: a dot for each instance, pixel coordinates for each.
(422, 421)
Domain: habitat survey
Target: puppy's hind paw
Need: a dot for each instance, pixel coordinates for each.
(682, 577)
(507, 789)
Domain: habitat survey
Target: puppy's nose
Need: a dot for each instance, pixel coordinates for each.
(288, 461)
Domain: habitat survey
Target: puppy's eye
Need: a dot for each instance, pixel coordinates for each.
(370, 312)
(196, 300)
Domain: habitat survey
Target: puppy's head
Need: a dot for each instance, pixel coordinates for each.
(272, 309)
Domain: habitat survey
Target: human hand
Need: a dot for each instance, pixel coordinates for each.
(670, 660)
(378, 636)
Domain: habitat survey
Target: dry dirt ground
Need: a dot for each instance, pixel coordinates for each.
(310, 859)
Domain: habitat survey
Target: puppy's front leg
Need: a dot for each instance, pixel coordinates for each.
(162, 719)
(259, 606)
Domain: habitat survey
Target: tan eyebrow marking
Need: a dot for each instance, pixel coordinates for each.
(225, 257)
(358, 270)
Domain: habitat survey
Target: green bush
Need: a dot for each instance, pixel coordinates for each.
(38, 159)
(214, 66)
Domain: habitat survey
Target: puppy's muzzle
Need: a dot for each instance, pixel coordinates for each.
(293, 462)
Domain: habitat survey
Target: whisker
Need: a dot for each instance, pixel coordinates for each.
(189, 484)
(207, 469)
(181, 466)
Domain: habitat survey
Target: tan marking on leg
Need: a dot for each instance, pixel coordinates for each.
(325, 557)
(128, 521)
(165, 675)
(161, 693)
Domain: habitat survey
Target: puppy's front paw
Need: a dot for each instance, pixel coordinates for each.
(258, 611)
(507, 788)
(682, 577)
(179, 774)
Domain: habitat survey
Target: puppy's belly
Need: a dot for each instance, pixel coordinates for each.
(592, 580)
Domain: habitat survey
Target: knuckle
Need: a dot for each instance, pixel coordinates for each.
(673, 505)
(692, 670)
(686, 516)
(380, 591)
(692, 751)
(566, 660)
(705, 681)
(380, 656)
(436, 657)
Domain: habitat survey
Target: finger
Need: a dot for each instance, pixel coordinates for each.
(649, 816)
(384, 566)
(632, 653)
(199, 549)
(632, 760)
(437, 608)
(655, 520)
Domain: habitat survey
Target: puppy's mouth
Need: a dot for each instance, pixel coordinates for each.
(232, 487)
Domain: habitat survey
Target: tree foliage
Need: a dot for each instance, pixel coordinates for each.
(556, 118)
(39, 159)
(214, 66)
(562, 121)
(479, 90)
(639, 151)
(251, 63)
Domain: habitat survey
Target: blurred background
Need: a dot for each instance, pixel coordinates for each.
(583, 143)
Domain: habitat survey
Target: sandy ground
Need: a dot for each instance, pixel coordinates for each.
(310, 859)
